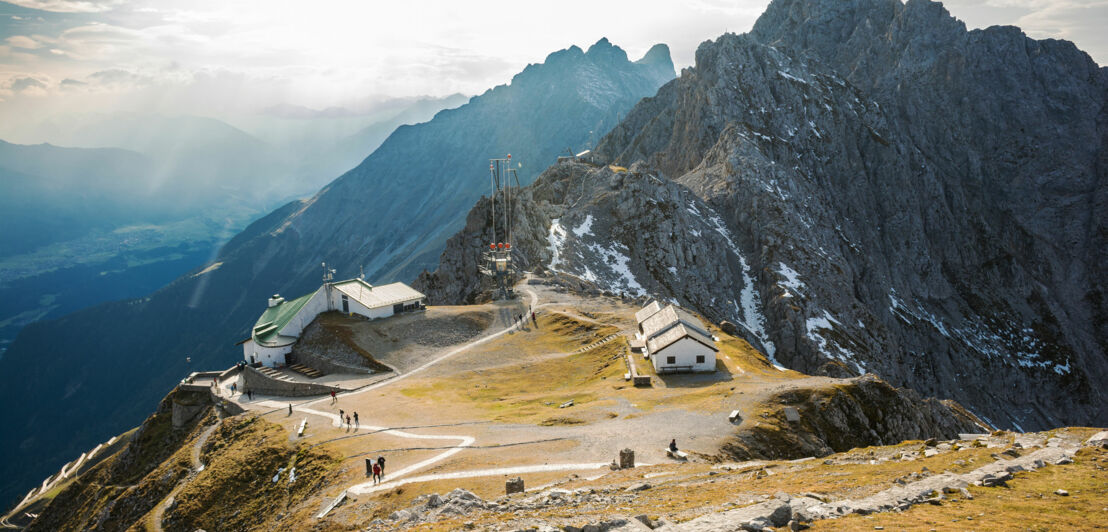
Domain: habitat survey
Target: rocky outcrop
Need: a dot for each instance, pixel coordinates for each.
(930, 489)
(899, 196)
(613, 230)
(326, 345)
(839, 416)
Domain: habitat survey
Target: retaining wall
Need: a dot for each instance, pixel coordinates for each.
(259, 382)
(326, 365)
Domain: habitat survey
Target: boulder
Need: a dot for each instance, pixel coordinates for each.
(1099, 439)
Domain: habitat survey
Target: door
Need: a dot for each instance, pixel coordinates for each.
(345, 305)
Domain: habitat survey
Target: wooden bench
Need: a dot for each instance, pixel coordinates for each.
(675, 369)
(677, 455)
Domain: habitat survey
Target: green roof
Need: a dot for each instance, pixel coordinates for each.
(275, 318)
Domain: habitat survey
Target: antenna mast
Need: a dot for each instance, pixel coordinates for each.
(498, 259)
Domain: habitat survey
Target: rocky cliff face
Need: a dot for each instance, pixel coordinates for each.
(867, 187)
(391, 215)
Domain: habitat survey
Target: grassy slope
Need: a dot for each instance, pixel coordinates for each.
(119, 491)
(236, 492)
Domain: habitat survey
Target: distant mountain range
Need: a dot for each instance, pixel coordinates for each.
(391, 215)
(148, 197)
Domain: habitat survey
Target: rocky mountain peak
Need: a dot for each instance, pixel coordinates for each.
(894, 194)
(659, 60)
(605, 50)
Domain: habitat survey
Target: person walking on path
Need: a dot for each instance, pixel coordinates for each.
(355, 421)
(290, 409)
(334, 399)
(381, 464)
(342, 415)
(368, 467)
(347, 420)
(234, 388)
(533, 320)
(376, 474)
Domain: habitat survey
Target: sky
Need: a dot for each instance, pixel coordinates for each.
(218, 57)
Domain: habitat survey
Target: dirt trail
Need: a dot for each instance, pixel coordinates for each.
(463, 440)
(197, 466)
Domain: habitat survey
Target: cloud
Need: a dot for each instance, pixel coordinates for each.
(68, 6)
(27, 85)
(117, 76)
(22, 41)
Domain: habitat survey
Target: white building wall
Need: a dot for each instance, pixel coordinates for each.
(314, 307)
(268, 356)
(358, 308)
(685, 352)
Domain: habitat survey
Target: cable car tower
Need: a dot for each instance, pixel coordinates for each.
(497, 259)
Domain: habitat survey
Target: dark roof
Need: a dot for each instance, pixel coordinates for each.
(677, 333)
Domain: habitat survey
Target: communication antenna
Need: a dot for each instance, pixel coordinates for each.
(497, 261)
(328, 274)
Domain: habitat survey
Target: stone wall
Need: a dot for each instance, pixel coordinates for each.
(258, 382)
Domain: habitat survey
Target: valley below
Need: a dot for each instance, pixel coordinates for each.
(104, 265)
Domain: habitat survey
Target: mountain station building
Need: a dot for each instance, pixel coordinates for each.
(279, 327)
(675, 340)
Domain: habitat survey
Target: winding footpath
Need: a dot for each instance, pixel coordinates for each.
(197, 466)
(463, 441)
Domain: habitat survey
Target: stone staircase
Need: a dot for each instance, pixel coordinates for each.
(274, 374)
(597, 343)
(310, 373)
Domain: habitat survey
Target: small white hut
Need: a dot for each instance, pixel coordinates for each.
(676, 341)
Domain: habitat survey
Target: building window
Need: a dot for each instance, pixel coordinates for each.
(671, 360)
(699, 359)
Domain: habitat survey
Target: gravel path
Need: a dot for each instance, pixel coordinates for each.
(197, 466)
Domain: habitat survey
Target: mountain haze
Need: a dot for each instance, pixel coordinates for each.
(391, 215)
